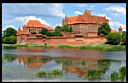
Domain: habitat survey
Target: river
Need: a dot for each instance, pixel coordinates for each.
(24, 63)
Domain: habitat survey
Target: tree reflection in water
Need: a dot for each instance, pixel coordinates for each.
(9, 58)
(90, 69)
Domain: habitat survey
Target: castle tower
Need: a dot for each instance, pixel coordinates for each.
(120, 29)
(87, 13)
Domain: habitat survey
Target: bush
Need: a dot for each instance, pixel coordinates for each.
(9, 58)
(9, 31)
(9, 39)
(114, 77)
(123, 37)
(122, 74)
(114, 38)
(104, 29)
(94, 74)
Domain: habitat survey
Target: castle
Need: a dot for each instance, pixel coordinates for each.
(85, 31)
(85, 25)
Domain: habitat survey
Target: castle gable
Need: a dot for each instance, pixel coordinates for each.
(35, 24)
(85, 18)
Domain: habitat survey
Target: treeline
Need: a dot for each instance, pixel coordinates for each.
(112, 38)
(9, 36)
(57, 32)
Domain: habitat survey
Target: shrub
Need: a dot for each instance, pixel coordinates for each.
(9, 58)
(9, 31)
(94, 74)
(123, 37)
(9, 39)
(114, 38)
(122, 74)
(114, 77)
(104, 29)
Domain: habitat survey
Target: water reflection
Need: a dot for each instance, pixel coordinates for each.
(80, 66)
(75, 64)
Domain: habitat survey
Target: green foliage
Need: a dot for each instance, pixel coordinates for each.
(9, 31)
(44, 31)
(94, 74)
(123, 37)
(119, 76)
(114, 77)
(66, 28)
(114, 38)
(57, 32)
(122, 74)
(53, 73)
(41, 74)
(9, 58)
(9, 36)
(9, 39)
(104, 29)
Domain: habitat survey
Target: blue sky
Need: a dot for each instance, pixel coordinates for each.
(17, 14)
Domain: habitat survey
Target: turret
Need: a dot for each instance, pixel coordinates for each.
(120, 29)
(87, 13)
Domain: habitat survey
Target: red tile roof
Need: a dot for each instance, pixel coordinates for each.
(35, 24)
(85, 19)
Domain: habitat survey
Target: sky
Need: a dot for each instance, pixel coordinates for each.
(17, 14)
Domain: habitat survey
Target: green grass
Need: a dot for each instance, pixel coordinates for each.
(119, 76)
(66, 46)
(103, 47)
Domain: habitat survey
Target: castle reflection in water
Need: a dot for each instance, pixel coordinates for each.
(75, 65)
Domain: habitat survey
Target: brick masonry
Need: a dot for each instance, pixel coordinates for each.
(67, 41)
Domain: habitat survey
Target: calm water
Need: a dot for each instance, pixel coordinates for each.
(25, 63)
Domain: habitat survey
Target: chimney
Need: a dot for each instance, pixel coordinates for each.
(87, 13)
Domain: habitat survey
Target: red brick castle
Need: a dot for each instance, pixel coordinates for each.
(85, 26)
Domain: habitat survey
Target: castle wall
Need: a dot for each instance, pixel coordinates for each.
(85, 28)
(76, 41)
(67, 41)
(22, 39)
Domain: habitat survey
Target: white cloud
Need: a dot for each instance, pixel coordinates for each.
(117, 10)
(116, 25)
(25, 19)
(9, 26)
(104, 16)
(78, 12)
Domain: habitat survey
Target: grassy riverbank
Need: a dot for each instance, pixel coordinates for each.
(103, 47)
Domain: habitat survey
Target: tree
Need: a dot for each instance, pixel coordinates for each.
(9, 39)
(104, 29)
(70, 29)
(44, 31)
(66, 28)
(123, 37)
(114, 38)
(57, 28)
(9, 31)
(9, 36)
